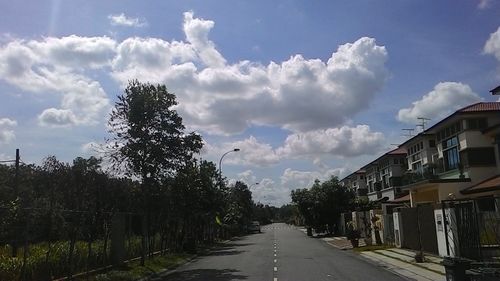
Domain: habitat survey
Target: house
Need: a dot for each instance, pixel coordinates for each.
(356, 182)
(455, 153)
(383, 175)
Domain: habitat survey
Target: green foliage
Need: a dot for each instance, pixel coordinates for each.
(63, 212)
(321, 205)
(149, 137)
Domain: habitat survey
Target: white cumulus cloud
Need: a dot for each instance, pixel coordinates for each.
(216, 97)
(293, 179)
(492, 46)
(123, 20)
(344, 141)
(57, 117)
(219, 98)
(445, 98)
(7, 134)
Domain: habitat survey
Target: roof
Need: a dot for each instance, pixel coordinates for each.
(405, 198)
(473, 108)
(481, 106)
(360, 171)
(495, 91)
(397, 151)
(490, 184)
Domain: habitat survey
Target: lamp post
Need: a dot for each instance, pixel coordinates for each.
(222, 157)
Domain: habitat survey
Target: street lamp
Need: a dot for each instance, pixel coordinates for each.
(222, 157)
(253, 185)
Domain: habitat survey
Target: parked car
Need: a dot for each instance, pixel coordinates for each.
(254, 227)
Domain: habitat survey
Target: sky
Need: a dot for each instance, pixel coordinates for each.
(305, 89)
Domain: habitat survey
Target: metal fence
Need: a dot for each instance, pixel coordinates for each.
(472, 228)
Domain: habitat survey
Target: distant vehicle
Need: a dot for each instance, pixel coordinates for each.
(254, 227)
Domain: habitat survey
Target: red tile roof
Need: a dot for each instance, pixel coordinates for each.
(490, 184)
(481, 106)
(397, 151)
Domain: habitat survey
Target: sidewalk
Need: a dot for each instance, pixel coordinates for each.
(400, 261)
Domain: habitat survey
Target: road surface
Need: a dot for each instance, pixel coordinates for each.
(280, 253)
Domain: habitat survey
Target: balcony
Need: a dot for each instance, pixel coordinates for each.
(430, 174)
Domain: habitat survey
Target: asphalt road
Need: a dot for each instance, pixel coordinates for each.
(280, 253)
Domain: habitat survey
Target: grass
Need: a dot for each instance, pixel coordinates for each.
(134, 271)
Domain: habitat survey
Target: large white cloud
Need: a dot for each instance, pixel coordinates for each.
(58, 66)
(220, 98)
(294, 179)
(314, 145)
(344, 141)
(492, 46)
(7, 134)
(445, 98)
(252, 152)
(216, 97)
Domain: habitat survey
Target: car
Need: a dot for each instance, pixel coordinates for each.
(254, 227)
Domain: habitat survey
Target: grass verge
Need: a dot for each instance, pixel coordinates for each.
(134, 271)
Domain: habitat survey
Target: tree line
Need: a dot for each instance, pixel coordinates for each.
(321, 205)
(56, 217)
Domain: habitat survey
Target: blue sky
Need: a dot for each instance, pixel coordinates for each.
(305, 89)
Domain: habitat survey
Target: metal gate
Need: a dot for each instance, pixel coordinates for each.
(473, 228)
(389, 229)
(419, 229)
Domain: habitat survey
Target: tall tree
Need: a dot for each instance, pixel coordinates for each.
(149, 139)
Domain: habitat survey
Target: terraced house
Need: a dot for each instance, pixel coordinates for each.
(384, 175)
(454, 154)
(439, 191)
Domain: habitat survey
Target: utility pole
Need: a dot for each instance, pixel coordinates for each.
(16, 194)
(16, 177)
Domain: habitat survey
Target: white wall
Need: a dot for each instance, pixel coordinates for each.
(440, 233)
(388, 193)
(473, 139)
(398, 233)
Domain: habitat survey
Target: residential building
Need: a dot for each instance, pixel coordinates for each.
(455, 153)
(356, 181)
(383, 175)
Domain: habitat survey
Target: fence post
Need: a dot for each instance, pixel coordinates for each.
(445, 223)
(118, 239)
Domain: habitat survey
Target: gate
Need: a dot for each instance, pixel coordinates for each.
(473, 228)
(419, 229)
(389, 229)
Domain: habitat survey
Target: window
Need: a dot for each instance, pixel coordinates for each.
(449, 131)
(432, 143)
(479, 156)
(417, 167)
(450, 153)
(477, 123)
